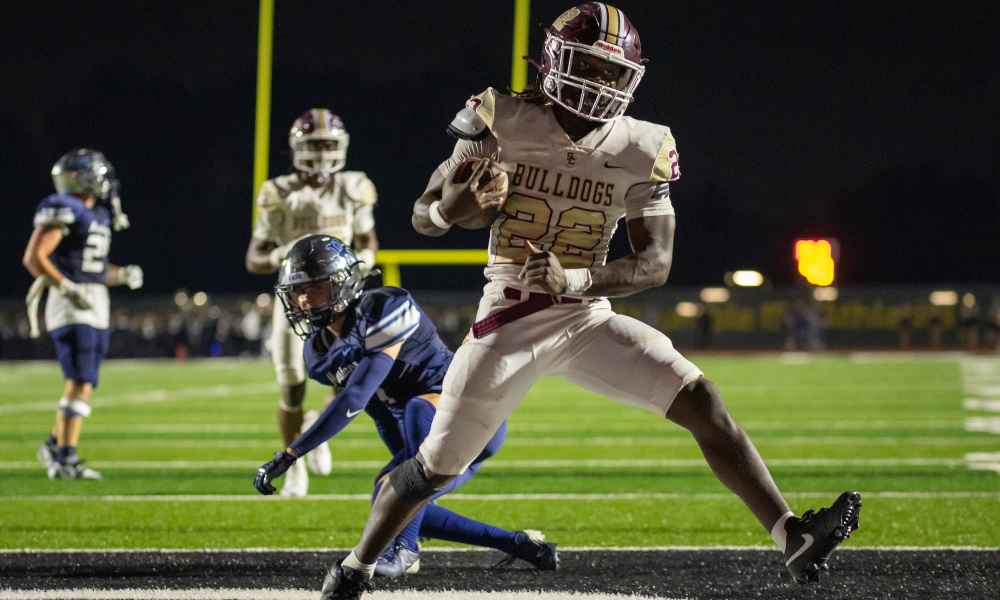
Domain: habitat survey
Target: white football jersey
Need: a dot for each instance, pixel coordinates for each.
(289, 209)
(567, 197)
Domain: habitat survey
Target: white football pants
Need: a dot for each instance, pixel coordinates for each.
(286, 349)
(587, 344)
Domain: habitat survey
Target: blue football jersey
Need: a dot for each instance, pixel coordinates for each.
(82, 255)
(381, 318)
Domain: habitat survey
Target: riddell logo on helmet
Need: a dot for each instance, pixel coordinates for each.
(609, 47)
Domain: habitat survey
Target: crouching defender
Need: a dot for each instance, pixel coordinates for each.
(385, 355)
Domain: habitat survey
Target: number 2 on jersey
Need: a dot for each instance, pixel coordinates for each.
(578, 231)
(98, 244)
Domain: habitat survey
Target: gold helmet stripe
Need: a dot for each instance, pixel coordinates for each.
(613, 25)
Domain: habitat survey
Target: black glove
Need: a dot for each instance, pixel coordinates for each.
(271, 470)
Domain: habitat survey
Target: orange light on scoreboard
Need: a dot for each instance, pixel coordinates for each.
(816, 260)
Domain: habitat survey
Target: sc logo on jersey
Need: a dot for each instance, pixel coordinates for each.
(570, 158)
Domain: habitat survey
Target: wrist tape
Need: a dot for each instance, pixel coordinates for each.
(434, 212)
(578, 281)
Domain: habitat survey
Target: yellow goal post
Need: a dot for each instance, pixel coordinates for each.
(390, 260)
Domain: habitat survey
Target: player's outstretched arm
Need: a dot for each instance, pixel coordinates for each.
(648, 265)
(350, 402)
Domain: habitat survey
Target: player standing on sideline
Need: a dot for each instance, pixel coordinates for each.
(575, 167)
(68, 251)
(319, 198)
(384, 356)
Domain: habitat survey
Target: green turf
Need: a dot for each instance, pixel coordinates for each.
(890, 425)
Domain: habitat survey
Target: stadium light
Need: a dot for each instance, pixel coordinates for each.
(968, 300)
(816, 259)
(748, 278)
(181, 298)
(715, 295)
(200, 299)
(263, 300)
(944, 298)
(689, 309)
(826, 294)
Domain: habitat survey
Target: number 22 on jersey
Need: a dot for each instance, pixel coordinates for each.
(572, 234)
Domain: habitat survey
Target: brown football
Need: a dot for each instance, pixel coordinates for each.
(474, 216)
(464, 170)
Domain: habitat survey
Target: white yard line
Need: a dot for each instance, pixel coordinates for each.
(992, 405)
(523, 464)
(531, 442)
(483, 497)
(750, 548)
(981, 378)
(215, 391)
(296, 594)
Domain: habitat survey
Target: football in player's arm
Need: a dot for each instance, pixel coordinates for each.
(320, 197)
(68, 253)
(383, 355)
(576, 166)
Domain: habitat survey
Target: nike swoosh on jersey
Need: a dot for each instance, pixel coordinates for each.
(354, 414)
(809, 542)
(607, 166)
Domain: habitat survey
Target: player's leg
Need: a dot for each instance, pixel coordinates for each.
(402, 556)
(699, 408)
(289, 367)
(528, 545)
(319, 459)
(440, 523)
(639, 366)
(80, 349)
(484, 384)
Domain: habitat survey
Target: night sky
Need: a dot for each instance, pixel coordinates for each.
(874, 122)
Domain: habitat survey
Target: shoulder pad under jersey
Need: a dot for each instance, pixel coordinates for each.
(358, 187)
(468, 125)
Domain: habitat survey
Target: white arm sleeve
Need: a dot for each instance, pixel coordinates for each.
(648, 199)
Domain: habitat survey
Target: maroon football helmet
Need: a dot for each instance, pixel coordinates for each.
(319, 142)
(591, 61)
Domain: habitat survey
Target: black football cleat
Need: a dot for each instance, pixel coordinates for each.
(813, 537)
(344, 583)
(532, 549)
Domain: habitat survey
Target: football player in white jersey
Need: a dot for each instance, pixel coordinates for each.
(319, 198)
(68, 252)
(574, 167)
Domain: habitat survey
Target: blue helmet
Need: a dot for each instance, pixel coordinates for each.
(318, 260)
(86, 171)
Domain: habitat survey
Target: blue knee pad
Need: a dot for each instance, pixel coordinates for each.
(80, 349)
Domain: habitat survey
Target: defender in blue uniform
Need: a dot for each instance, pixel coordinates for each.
(385, 356)
(68, 252)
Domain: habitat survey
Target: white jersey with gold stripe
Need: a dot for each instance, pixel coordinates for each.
(567, 197)
(289, 209)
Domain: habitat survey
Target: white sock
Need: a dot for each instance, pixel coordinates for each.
(353, 562)
(778, 533)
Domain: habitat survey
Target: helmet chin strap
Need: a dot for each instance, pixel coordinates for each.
(120, 220)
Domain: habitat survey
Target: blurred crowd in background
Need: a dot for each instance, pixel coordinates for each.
(194, 325)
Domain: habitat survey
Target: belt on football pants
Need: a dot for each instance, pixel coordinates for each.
(533, 304)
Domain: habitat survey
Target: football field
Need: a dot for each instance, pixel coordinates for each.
(179, 444)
